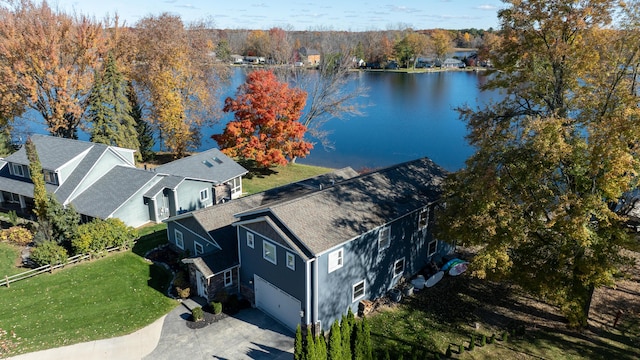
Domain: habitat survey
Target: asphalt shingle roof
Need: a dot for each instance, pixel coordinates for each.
(53, 151)
(111, 191)
(211, 165)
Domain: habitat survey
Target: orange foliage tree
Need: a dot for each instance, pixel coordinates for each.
(266, 127)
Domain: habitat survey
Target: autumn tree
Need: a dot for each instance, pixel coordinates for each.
(258, 43)
(266, 127)
(280, 49)
(441, 43)
(410, 47)
(554, 158)
(47, 59)
(174, 75)
(110, 109)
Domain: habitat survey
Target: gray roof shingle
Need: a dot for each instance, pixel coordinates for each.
(53, 151)
(211, 165)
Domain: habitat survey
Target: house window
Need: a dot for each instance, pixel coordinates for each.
(179, 239)
(432, 247)
(291, 261)
(250, 240)
(49, 177)
(17, 170)
(204, 194)
(358, 290)
(198, 248)
(336, 259)
(398, 267)
(10, 197)
(236, 186)
(269, 252)
(228, 278)
(423, 219)
(384, 238)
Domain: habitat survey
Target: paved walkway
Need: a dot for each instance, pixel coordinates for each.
(250, 334)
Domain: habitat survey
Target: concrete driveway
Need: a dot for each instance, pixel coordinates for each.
(250, 334)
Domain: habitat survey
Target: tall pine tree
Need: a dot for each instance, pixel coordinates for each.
(110, 110)
(39, 189)
(143, 128)
(335, 351)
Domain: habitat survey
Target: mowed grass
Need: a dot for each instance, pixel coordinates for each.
(100, 299)
(9, 255)
(280, 175)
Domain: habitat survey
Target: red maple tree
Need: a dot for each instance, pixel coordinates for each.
(266, 127)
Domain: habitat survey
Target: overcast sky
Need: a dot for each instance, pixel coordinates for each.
(303, 14)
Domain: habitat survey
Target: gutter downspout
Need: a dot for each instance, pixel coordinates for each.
(314, 299)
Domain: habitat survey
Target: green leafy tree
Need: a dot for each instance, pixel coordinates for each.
(110, 111)
(541, 195)
(410, 47)
(223, 51)
(37, 177)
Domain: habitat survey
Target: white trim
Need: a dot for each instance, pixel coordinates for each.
(435, 249)
(195, 248)
(337, 262)
(385, 229)
(210, 241)
(175, 238)
(251, 242)
(395, 266)
(291, 261)
(274, 261)
(424, 210)
(224, 275)
(353, 291)
(206, 194)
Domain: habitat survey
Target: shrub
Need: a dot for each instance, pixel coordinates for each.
(13, 218)
(49, 253)
(182, 285)
(17, 235)
(448, 352)
(505, 336)
(197, 313)
(483, 340)
(460, 349)
(96, 236)
(472, 343)
(492, 339)
(216, 307)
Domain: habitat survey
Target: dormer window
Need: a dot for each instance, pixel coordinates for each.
(17, 170)
(50, 177)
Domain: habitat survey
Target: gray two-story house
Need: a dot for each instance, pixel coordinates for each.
(308, 258)
(102, 181)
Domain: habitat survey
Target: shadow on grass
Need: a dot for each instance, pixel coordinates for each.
(159, 278)
(255, 170)
(150, 241)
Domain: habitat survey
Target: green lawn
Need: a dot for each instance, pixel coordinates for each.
(108, 297)
(280, 175)
(9, 254)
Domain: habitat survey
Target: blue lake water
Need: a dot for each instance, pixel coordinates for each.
(407, 116)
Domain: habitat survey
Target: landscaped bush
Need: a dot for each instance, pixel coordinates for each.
(17, 235)
(492, 339)
(505, 336)
(49, 253)
(182, 285)
(198, 314)
(98, 235)
(460, 349)
(472, 343)
(448, 352)
(216, 307)
(483, 340)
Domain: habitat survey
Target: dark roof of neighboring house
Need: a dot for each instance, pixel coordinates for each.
(211, 165)
(53, 151)
(327, 218)
(111, 191)
(216, 221)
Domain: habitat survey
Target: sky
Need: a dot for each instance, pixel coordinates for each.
(346, 15)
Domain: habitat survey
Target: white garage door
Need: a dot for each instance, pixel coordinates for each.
(277, 303)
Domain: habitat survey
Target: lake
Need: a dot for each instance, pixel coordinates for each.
(407, 116)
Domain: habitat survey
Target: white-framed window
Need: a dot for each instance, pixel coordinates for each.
(291, 261)
(432, 247)
(250, 241)
(50, 177)
(199, 249)
(423, 218)
(179, 239)
(204, 194)
(358, 290)
(336, 259)
(398, 268)
(384, 238)
(17, 170)
(269, 252)
(236, 186)
(228, 278)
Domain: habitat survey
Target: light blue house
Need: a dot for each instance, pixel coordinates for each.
(102, 181)
(307, 257)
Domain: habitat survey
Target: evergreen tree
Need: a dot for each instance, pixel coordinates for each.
(345, 331)
(63, 221)
(39, 189)
(110, 110)
(298, 349)
(6, 147)
(359, 351)
(143, 128)
(321, 347)
(366, 339)
(310, 347)
(335, 351)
